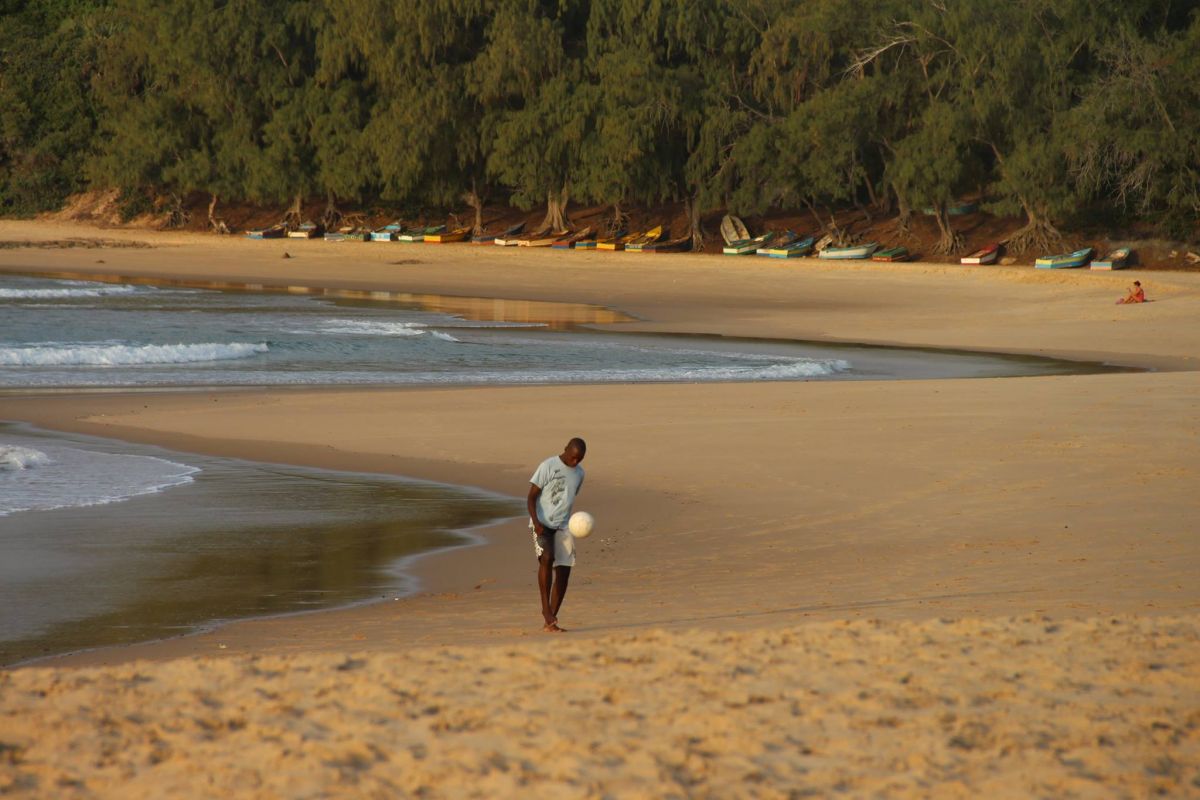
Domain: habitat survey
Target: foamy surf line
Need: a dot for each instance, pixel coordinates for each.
(67, 293)
(107, 355)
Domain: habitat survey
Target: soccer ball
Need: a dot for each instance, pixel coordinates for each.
(581, 524)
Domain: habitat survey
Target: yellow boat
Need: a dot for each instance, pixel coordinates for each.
(456, 235)
(619, 242)
(649, 237)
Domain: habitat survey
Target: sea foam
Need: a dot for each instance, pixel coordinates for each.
(108, 355)
(64, 294)
(14, 457)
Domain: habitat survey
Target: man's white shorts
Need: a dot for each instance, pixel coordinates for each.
(564, 547)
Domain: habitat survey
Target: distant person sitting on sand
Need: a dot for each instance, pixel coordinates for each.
(1136, 295)
(552, 491)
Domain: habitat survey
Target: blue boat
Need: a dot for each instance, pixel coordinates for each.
(842, 253)
(1065, 261)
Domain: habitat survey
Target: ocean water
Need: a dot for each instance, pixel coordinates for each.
(104, 542)
(57, 333)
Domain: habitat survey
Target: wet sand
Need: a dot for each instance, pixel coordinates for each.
(736, 511)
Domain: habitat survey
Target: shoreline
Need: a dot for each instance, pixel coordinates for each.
(244, 426)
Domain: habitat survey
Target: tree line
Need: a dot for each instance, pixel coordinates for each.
(1054, 110)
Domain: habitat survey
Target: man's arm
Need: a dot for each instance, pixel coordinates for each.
(535, 492)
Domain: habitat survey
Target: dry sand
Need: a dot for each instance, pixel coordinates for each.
(764, 515)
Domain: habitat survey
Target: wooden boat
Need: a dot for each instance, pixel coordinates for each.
(777, 242)
(891, 254)
(618, 242)
(306, 230)
(444, 237)
(348, 233)
(490, 238)
(733, 229)
(649, 237)
(1065, 260)
(414, 235)
(985, 255)
(681, 245)
(844, 253)
(387, 233)
(793, 249)
(542, 239)
(1117, 259)
(745, 247)
(273, 232)
(567, 242)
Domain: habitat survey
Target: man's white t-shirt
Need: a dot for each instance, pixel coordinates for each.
(559, 484)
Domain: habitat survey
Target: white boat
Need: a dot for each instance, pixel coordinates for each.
(857, 251)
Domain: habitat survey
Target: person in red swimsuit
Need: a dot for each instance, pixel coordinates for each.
(1136, 295)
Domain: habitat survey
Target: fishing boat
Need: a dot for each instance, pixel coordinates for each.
(544, 239)
(273, 232)
(681, 245)
(649, 237)
(306, 230)
(891, 254)
(985, 255)
(1117, 259)
(387, 233)
(745, 247)
(845, 253)
(444, 237)
(490, 238)
(794, 249)
(415, 235)
(618, 242)
(776, 242)
(567, 242)
(733, 229)
(1065, 260)
(348, 233)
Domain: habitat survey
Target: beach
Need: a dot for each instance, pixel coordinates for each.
(881, 528)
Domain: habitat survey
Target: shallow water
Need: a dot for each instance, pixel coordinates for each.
(181, 541)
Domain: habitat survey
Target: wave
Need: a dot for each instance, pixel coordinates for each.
(108, 355)
(67, 293)
(372, 327)
(14, 457)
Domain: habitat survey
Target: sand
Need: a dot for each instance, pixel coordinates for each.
(754, 541)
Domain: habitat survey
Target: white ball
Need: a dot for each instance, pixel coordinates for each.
(581, 524)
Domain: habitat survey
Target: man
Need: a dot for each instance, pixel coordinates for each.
(552, 491)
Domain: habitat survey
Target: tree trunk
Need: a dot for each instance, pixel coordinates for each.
(472, 198)
(332, 216)
(556, 211)
(617, 223)
(692, 206)
(178, 216)
(293, 216)
(903, 217)
(949, 242)
(1038, 233)
(215, 224)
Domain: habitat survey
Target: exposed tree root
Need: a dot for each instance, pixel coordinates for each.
(293, 217)
(950, 241)
(332, 216)
(1038, 235)
(556, 211)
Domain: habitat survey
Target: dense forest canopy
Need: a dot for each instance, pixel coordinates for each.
(1047, 109)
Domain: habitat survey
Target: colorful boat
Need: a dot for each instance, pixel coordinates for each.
(985, 255)
(1065, 260)
(568, 242)
(891, 254)
(544, 239)
(777, 242)
(618, 242)
(794, 249)
(490, 238)
(273, 232)
(348, 233)
(1117, 259)
(745, 247)
(681, 245)
(733, 229)
(649, 237)
(306, 230)
(414, 235)
(444, 237)
(387, 233)
(844, 253)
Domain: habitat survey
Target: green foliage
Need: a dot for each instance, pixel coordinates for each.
(1048, 106)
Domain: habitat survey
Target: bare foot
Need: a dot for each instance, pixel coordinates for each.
(552, 627)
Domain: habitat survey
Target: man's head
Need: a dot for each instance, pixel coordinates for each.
(574, 452)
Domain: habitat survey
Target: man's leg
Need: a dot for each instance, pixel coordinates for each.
(545, 582)
(561, 577)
